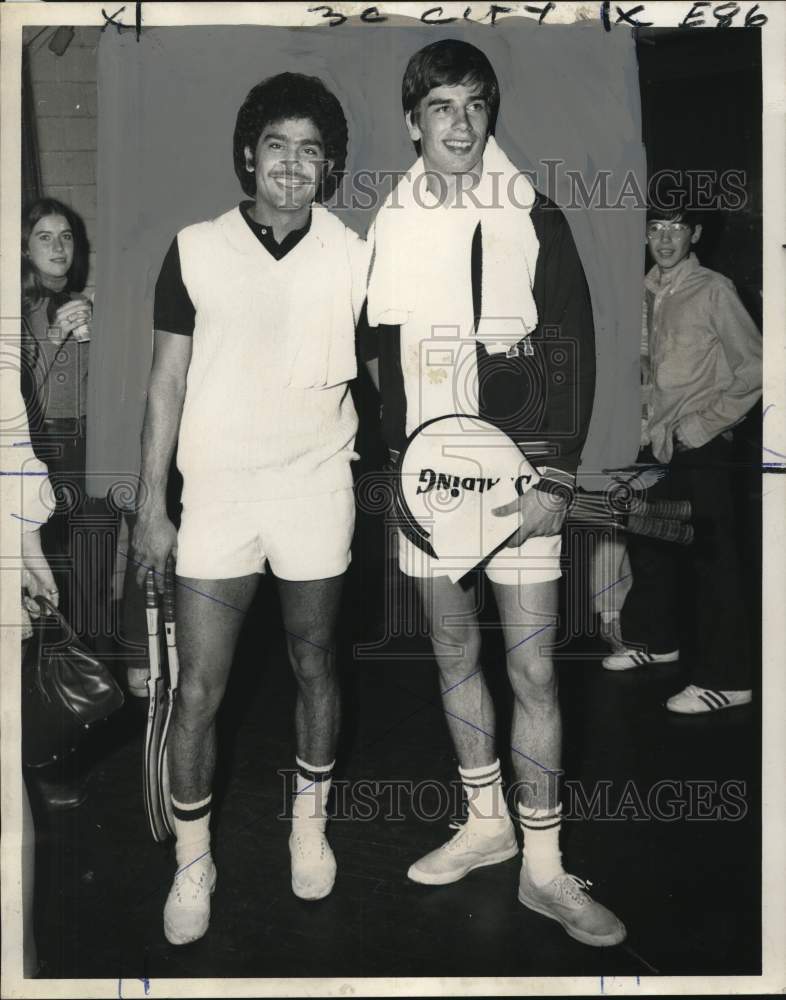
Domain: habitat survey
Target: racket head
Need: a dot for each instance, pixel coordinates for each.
(453, 472)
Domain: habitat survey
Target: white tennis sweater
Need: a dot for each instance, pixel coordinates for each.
(267, 411)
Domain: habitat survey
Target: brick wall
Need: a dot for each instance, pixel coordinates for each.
(65, 93)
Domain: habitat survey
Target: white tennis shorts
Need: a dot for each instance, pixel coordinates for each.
(302, 538)
(536, 561)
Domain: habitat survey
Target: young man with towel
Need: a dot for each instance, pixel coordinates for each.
(465, 247)
(255, 317)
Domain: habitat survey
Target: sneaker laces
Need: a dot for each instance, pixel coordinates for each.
(461, 829)
(571, 888)
(305, 840)
(188, 888)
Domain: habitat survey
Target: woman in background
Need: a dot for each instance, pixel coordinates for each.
(55, 345)
(54, 350)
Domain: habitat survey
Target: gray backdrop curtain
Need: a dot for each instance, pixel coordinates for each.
(166, 112)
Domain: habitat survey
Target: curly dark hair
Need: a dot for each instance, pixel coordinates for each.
(448, 63)
(292, 95)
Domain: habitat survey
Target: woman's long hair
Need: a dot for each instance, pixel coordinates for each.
(33, 290)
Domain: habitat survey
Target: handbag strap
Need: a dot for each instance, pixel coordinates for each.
(50, 611)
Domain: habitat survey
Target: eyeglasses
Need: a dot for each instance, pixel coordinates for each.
(654, 228)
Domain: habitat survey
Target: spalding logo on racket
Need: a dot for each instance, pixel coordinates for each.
(456, 470)
(453, 472)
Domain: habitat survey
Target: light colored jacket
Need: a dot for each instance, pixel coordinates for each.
(705, 356)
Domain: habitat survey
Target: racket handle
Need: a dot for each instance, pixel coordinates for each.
(658, 527)
(151, 595)
(169, 590)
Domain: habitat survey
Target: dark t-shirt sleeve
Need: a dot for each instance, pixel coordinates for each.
(173, 310)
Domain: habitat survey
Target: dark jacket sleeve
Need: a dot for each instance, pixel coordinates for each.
(566, 332)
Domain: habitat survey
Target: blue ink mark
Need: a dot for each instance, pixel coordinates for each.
(217, 600)
(305, 789)
(458, 683)
(626, 577)
(180, 871)
(766, 410)
(601, 984)
(532, 760)
(638, 978)
(28, 519)
(772, 451)
(22, 444)
(516, 646)
(24, 473)
(143, 980)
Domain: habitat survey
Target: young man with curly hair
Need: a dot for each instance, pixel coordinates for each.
(254, 348)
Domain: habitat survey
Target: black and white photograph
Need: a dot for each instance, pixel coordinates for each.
(393, 435)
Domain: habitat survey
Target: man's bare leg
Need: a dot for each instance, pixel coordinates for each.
(527, 614)
(210, 614)
(488, 836)
(310, 610)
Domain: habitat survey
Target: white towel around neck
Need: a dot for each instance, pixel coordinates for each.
(403, 235)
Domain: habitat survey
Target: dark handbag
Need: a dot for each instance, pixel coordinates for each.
(65, 689)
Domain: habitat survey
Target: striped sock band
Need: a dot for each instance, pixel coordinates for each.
(192, 830)
(312, 787)
(483, 789)
(541, 829)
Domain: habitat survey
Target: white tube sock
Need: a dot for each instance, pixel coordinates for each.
(485, 800)
(312, 787)
(541, 842)
(192, 830)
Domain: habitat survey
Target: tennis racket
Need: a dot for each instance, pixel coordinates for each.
(156, 715)
(666, 520)
(171, 692)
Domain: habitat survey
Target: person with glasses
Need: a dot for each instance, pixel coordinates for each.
(705, 373)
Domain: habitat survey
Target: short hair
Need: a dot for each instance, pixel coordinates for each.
(291, 95)
(448, 63)
(76, 279)
(674, 206)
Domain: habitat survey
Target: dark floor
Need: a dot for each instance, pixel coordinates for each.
(682, 870)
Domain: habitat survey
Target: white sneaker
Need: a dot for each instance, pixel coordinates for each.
(566, 899)
(313, 862)
(187, 910)
(695, 700)
(630, 658)
(471, 847)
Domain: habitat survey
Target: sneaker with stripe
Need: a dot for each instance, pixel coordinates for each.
(630, 658)
(695, 700)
